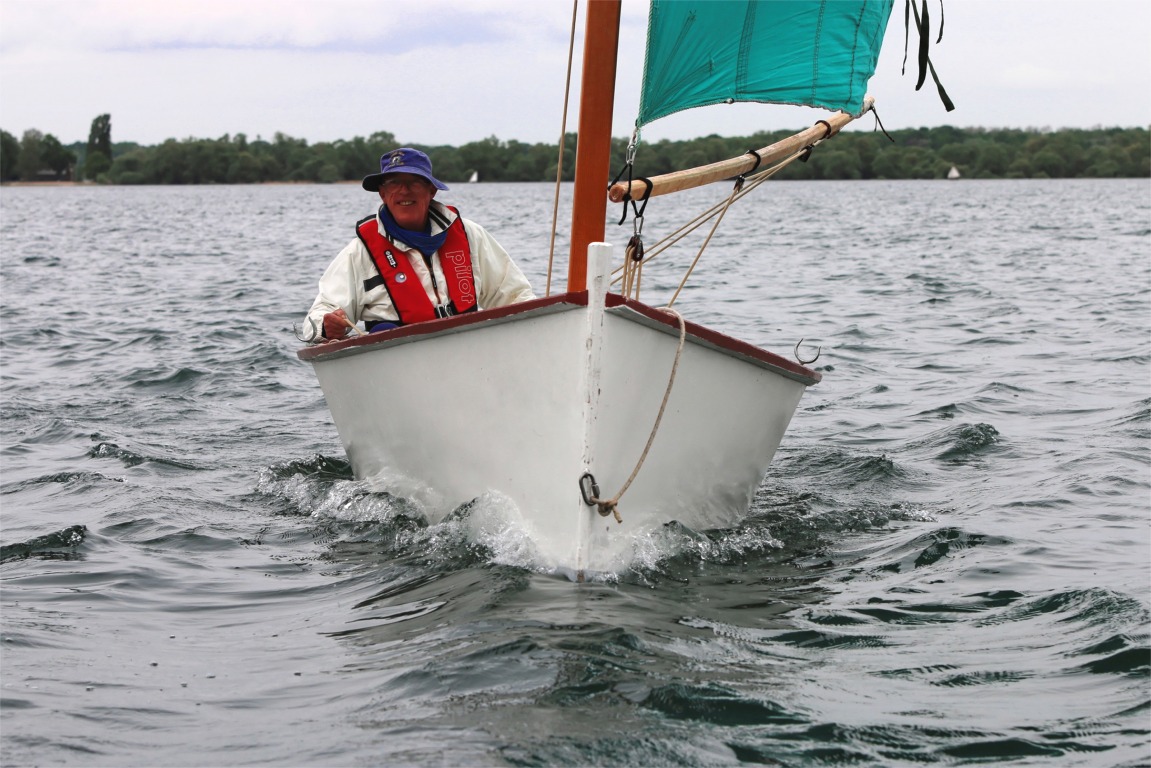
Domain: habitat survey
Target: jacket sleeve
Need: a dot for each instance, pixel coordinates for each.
(501, 282)
(342, 286)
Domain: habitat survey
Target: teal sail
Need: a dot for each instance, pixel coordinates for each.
(818, 53)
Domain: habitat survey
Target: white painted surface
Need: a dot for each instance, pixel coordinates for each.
(519, 409)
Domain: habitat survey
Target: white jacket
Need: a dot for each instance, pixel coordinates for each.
(499, 281)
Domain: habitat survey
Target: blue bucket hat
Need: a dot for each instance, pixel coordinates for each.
(403, 160)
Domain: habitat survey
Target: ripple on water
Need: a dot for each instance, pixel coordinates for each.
(58, 545)
(946, 565)
(959, 443)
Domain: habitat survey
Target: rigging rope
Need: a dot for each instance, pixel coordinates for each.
(633, 256)
(611, 506)
(719, 208)
(731, 199)
(629, 272)
(560, 160)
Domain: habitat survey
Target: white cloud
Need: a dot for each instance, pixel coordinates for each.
(97, 25)
(453, 71)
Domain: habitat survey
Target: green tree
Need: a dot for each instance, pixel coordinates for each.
(245, 169)
(709, 149)
(209, 160)
(170, 163)
(836, 164)
(486, 156)
(100, 135)
(95, 165)
(945, 135)
(449, 164)
(917, 153)
(960, 153)
(29, 162)
(866, 146)
(359, 156)
(132, 167)
(1105, 162)
(9, 156)
(98, 158)
(1047, 163)
(992, 159)
(56, 158)
(289, 154)
(888, 164)
(1020, 168)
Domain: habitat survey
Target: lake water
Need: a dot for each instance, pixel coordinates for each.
(949, 563)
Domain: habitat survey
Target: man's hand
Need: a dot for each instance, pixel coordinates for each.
(336, 325)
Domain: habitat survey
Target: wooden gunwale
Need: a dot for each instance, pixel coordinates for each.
(716, 340)
(416, 331)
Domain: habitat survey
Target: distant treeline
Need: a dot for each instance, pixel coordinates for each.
(924, 153)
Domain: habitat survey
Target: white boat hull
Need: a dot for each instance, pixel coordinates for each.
(518, 403)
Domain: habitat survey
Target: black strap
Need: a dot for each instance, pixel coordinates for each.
(758, 160)
(923, 29)
(879, 125)
(923, 23)
(627, 168)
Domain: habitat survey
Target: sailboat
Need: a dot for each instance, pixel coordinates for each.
(475, 177)
(589, 417)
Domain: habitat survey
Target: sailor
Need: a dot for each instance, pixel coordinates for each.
(416, 259)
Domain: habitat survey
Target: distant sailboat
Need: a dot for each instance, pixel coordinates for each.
(476, 177)
(953, 173)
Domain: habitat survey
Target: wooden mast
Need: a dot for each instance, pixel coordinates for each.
(593, 150)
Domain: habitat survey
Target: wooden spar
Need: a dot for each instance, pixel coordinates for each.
(593, 151)
(727, 169)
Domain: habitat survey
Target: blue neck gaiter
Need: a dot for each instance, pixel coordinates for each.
(421, 241)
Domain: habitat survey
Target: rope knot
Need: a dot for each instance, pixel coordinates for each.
(609, 507)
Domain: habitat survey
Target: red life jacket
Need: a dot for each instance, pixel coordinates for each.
(411, 301)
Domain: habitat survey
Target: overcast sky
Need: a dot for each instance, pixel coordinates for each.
(455, 71)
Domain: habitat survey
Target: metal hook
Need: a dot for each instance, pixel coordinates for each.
(800, 359)
(296, 330)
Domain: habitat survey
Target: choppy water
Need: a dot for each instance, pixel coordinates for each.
(950, 562)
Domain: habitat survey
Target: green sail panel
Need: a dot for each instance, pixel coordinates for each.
(818, 53)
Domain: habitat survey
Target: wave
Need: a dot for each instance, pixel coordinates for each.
(353, 519)
(927, 549)
(82, 479)
(1088, 607)
(164, 379)
(718, 705)
(59, 545)
(959, 443)
(835, 467)
(785, 519)
(130, 458)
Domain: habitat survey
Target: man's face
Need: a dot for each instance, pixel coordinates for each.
(407, 197)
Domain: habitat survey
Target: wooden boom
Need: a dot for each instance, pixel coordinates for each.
(727, 169)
